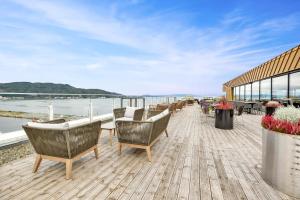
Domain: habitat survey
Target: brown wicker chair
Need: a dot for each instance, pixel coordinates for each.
(141, 134)
(151, 113)
(172, 107)
(63, 144)
(179, 105)
(120, 112)
(190, 101)
(162, 106)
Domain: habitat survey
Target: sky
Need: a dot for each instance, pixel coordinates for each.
(138, 47)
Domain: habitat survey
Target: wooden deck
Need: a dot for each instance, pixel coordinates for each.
(197, 161)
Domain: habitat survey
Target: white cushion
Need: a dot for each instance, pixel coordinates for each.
(78, 122)
(155, 117)
(48, 126)
(165, 112)
(159, 116)
(105, 117)
(124, 119)
(129, 112)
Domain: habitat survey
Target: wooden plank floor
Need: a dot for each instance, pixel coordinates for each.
(197, 161)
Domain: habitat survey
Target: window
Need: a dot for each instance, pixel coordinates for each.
(242, 93)
(279, 87)
(248, 92)
(265, 89)
(237, 93)
(255, 91)
(295, 85)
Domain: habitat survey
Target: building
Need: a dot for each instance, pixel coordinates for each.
(277, 78)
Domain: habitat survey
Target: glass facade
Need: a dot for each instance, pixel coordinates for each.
(280, 87)
(255, 91)
(248, 92)
(295, 85)
(284, 86)
(242, 93)
(237, 90)
(265, 89)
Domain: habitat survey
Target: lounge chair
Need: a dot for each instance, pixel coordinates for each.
(179, 105)
(142, 134)
(129, 113)
(63, 141)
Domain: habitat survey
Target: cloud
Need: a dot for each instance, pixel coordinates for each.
(174, 57)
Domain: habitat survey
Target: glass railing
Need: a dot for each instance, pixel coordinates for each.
(16, 111)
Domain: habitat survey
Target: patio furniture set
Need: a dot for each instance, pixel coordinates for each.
(66, 142)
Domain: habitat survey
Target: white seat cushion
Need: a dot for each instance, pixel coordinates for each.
(78, 122)
(155, 117)
(165, 112)
(105, 117)
(129, 112)
(159, 116)
(124, 119)
(48, 126)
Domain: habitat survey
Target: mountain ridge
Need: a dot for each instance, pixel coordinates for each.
(47, 87)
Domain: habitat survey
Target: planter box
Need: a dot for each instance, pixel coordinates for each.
(224, 119)
(281, 161)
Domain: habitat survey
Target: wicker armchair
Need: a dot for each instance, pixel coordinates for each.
(58, 142)
(142, 134)
(162, 106)
(190, 101)
(179, 105)
(172, 107)
(120, 112)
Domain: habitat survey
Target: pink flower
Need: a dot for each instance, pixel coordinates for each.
(282, 126)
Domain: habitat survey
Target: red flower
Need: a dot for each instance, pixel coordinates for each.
(282, 126)
(224, 105)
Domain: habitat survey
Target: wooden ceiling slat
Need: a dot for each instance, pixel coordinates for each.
(287, 61)
(273, 66)
(296, 59)
(287, 58)
(259, 71)
(279, 69)
(265, 71)
(290, 61)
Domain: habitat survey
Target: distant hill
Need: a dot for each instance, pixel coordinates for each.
(28, 87)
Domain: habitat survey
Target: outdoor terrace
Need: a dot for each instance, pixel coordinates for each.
(196, 161)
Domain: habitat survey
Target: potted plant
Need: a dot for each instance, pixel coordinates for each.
(224, 114)
(271, 107)
(281, 150)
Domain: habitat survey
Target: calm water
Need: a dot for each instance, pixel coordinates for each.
(11, 124)
(78, 107)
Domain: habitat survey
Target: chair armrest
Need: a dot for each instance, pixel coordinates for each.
(138, 114)
(134, 132)
(83, 137)
(159, 126)
(55, 121)
(119, 112)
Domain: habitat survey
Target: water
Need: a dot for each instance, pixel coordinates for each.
(77, 107)
(8, 124)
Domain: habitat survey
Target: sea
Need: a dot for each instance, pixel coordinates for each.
(74, 107)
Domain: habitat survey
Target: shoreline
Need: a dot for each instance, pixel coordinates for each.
(25, 115)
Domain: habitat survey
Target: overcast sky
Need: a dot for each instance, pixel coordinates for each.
(142, 46)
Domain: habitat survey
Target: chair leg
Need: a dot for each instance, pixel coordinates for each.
(110, 137)
(149, 153)
(68, 169)
(167, 133)
(96, 152)
(37, 163)
(120, 148)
